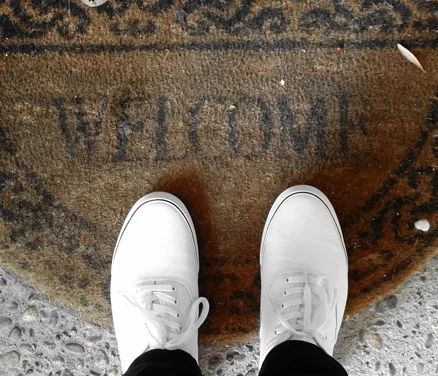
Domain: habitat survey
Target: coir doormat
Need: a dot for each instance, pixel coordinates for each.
(225, 104)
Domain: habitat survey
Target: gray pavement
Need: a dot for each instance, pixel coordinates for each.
(396, 336)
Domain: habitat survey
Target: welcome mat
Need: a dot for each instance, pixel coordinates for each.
(225, 104)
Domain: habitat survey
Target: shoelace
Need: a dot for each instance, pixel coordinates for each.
(308, 310)
(150, 306)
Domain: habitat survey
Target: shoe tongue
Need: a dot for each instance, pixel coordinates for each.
(301, 307)
(303, 338)
(313, 304)
(163, 315)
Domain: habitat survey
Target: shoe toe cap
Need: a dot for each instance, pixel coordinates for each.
(157, 241)
(304, 233)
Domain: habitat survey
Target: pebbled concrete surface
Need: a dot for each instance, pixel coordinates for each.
(396, 336)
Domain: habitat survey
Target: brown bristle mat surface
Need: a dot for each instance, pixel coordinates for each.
(224, 104)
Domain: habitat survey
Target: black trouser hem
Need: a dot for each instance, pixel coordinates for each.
(299, 358)
(163, 363)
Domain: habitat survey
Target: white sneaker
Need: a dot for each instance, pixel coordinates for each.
(304, 271)
(154, 280)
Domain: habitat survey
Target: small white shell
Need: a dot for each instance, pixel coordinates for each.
(94, 3)
(422, 225)
(408, 55)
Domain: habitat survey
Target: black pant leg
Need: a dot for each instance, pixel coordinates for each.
(164, 363)
(299, 358)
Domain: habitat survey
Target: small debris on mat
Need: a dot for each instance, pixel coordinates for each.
(181, 15)
(422, 225)
(408, 55)
(282, 82)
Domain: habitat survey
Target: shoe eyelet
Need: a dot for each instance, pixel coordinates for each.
(175, 302)
(173, 288)
(282, 306)
(180, 329)
(285, 293)
(178, 315)
(276, 332)
(287, 280)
